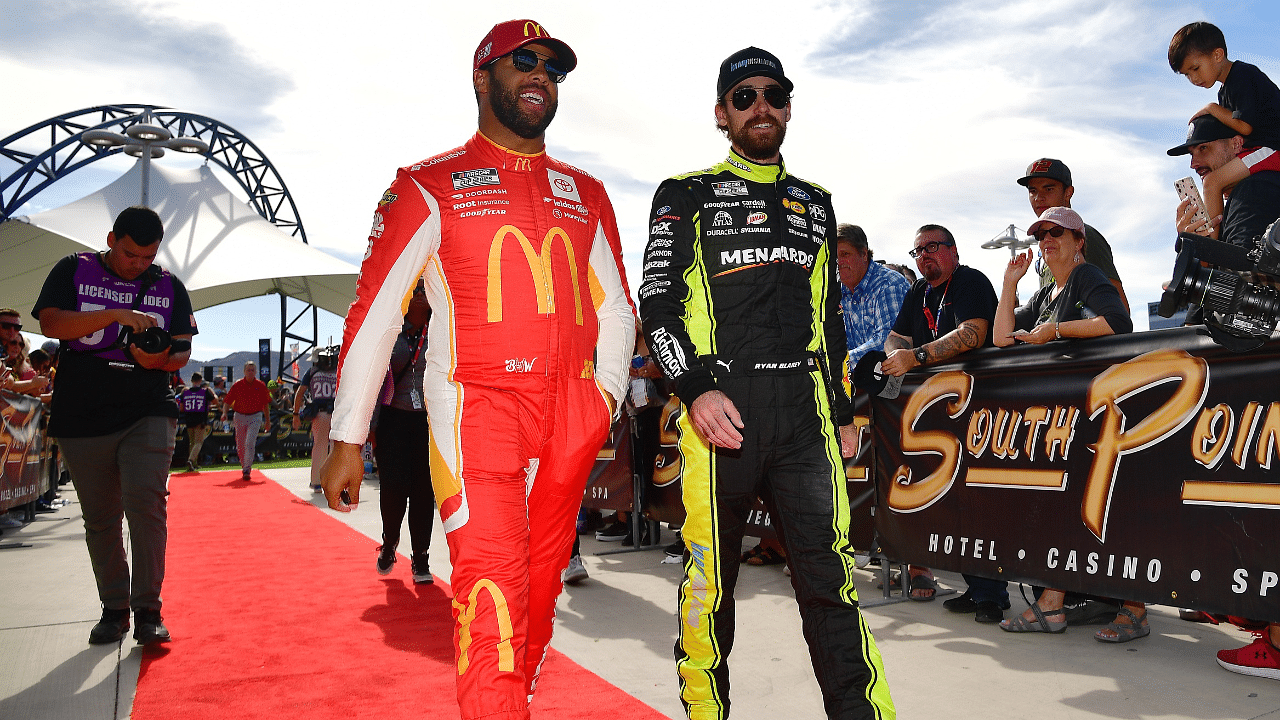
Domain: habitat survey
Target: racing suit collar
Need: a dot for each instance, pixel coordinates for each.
(509, 159)
(754, 171)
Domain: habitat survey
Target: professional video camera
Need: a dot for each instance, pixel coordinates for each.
(1240, 309)
(155, 340)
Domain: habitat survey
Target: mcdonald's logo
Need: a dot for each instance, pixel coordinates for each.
(467, 613)
(539, 268)
(535, 27)
(523, 164)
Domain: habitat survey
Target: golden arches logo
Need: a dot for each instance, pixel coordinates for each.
(537, 29)
(467, 613)
(539, 268)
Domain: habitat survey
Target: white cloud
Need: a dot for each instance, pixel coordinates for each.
(909, 112)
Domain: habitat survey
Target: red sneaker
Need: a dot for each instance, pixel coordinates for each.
(1259, 658)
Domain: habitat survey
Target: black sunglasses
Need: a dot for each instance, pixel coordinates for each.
(526, 61)
(744, 97)
(11, 325)
(1055, 232)
(930, 248)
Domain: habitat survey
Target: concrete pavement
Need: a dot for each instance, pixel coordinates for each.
(620, 624)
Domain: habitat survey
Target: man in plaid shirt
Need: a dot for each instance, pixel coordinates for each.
(871, 294)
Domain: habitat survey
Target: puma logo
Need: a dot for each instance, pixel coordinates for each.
(725, 364)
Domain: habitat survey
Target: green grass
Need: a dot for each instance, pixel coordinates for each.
(260, 465)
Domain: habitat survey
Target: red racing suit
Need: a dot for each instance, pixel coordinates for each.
(532, 322)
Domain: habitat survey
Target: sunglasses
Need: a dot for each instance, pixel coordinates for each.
(11, 325)
(526, 61)
(1055, 232)
(930, 248)
(744, 97)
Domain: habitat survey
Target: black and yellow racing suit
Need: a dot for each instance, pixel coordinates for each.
(740, 295)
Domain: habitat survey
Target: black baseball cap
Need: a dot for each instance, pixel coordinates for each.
(1203, 129)
(750, 62)
(1048, 168)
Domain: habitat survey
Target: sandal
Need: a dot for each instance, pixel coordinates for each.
(923, 582)
(1124, 632)
(1019, 624)
(767, 556)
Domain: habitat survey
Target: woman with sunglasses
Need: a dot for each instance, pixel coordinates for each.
(1081, 303)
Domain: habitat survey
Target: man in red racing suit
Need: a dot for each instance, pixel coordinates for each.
(526, 357)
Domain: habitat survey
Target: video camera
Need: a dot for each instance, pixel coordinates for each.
(154, 340)
(327, 357)
(1240, 310)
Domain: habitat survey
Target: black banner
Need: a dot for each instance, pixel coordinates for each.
(1137, 467)
(22, 450)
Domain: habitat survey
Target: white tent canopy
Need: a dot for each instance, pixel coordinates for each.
(220, 247)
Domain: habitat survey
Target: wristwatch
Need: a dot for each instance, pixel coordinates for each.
(922, 357)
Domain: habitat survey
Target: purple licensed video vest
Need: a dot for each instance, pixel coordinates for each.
(97, 288)
(195, 400)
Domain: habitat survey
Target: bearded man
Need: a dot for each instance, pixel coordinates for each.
(525, 359)
(741, 310)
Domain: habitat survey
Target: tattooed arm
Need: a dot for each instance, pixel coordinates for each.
(970, 335)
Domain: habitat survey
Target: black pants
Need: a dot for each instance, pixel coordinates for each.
(790, 457)
(404, 475)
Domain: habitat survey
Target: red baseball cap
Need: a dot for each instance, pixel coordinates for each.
(515, 34)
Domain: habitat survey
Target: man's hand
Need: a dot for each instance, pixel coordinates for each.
(1185, 220)
(899, 362)
(717, 419)
(848, 440)
(150, 361)
(134, 320)
(344, 470)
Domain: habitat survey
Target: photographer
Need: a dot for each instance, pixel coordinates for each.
(113, 411)
(318, 387)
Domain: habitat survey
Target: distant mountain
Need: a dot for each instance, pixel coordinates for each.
(232, 366)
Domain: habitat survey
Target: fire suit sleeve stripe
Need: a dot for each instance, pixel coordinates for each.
(409, 235)
(828, 328)
(616, 317)
(698, 651)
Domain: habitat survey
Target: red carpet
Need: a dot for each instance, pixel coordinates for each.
(276, 612)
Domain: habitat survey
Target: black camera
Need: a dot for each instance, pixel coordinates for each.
(155, 340)
(327, 357)
(1240, 309)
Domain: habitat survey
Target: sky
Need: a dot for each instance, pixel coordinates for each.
(909, 113)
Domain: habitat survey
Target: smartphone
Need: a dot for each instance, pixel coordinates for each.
(1187, 190)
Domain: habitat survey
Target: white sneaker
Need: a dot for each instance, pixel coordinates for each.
(9, 522)
(575, 572)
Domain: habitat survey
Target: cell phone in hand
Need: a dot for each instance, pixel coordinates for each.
(1187, 190)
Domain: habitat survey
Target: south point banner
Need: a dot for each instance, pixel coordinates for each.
(1138, 467)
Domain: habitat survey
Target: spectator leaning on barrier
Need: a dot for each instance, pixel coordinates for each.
(1252, 204)
(1048, 184)
(741, 310)
(250, 400)
(948, 312)
(113, 411)
(1081, 303)
(870, 293)
(196, 402)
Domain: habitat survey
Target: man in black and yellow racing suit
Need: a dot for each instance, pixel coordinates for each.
(740, 304)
